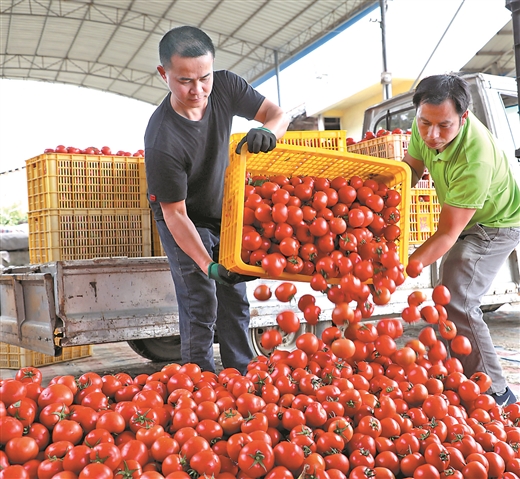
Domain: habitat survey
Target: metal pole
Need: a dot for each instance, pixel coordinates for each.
(386, 76)
(277, 66)
(514, 7)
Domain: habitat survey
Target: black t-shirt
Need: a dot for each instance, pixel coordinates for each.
(186, 160)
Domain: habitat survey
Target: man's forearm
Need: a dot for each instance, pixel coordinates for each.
(278, 124)
(187, 237)
(433, 248)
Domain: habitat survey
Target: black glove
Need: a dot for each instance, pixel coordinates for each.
(222, 276)
(258, 139)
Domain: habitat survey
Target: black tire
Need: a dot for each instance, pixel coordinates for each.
(158, 349)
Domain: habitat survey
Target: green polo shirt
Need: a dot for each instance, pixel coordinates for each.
(472, 172)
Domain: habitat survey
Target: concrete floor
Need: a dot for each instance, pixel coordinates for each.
(112, 358)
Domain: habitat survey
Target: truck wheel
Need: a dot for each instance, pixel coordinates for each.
(158, 349)
(289, 340)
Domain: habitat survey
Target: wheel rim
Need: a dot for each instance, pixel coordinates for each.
(288, 342)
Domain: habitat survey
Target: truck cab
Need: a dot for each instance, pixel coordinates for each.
(494, 103)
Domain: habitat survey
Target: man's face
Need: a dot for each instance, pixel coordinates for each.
(190, 80)
(439, 124)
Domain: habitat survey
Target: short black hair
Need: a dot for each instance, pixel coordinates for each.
(436, 89)
(185, 41)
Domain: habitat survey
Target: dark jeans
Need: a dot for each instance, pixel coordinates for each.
(468, 270)
(205, 305)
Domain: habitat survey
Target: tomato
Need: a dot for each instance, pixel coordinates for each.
(285, 292)
(475, 470)
(206, 463)
(136, 450)
(14, 472)
(319, 200)
(282, 231)
(56, 393)
(393, 198)
(426, 471)
(441, 295)
(414, 268)
(24, 409)
(11, 391)
(279, 472)
(308, 343)
(390, 327)
(77, 458)
(437, 455)
(447, 329)
(129, 469)
(271, 338)
(256, 459)
(391, 215)
(10, 428)
(288, 321)
(274, 264)
(461, 345)
(96, 470)
(482, 380)
(411, 314)
(49, 467)
(342, 313)
(289, 455)
(67, 430)
(315, 415)
(437, 352)
(230, 421)
(435, 407)
(20, 450)
(29, 374)
(343, 348)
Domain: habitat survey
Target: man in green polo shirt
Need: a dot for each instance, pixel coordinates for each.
(479, 223)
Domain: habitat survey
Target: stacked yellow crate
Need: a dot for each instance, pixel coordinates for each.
(14, 357)
(424, 204)
(87, 206)
(289, 160)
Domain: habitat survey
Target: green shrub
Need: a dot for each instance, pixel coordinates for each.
(12, 216)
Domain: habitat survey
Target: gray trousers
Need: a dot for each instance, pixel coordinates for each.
(468, 271)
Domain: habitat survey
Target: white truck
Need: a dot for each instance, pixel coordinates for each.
(69, 303)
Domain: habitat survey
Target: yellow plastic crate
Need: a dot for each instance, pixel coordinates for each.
(325, 139)
(68, 234)
(391, 147)
(14, 357)
(424, 211)
(85, 182)
(291, 161)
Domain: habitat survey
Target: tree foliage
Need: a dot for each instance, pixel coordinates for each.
(12, 216)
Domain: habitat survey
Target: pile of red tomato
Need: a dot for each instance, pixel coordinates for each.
(358, 402)
(353, 404)
(311, 225)
(91, 150)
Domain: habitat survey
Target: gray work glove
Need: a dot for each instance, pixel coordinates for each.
(258, 139)
(222, 276)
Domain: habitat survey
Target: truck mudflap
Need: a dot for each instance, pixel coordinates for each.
(70, 303)
(28, 315)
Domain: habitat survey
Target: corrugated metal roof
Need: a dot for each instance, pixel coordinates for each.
(111, 45)
(497, 56)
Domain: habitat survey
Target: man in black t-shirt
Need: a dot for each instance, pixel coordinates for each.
(186, 154)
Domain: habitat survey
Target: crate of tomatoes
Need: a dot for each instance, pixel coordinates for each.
(391, 145)
(292, 212)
